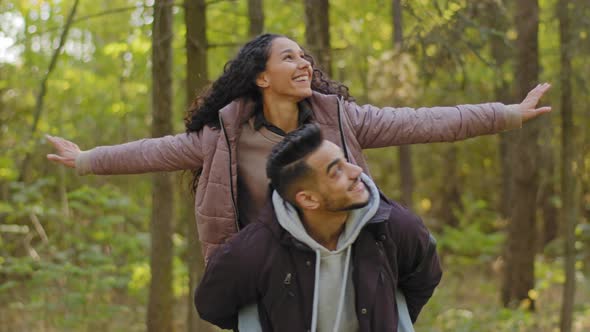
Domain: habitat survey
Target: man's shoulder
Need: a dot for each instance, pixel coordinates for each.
(399, 218)
(254, 232)
(249, 247)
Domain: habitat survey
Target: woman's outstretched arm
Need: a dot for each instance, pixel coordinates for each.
(168, 153)
(379, 127)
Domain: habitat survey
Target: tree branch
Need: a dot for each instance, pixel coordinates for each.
(39, 228)
(43, 89)
(104, 13)
(213, 2)
(223, 45)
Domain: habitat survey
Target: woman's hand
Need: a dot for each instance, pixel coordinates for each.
(527, 107)
(66, 151)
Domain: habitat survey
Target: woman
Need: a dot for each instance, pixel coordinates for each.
(270, 88)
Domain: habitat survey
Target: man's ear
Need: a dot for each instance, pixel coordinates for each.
(307, 200)
(262, 80)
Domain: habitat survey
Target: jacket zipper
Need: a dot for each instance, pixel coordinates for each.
(342, 131)
(231, 181)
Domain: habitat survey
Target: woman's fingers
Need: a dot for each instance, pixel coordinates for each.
(536, 94)
(66, 151)
(69, 162)
(544, 109)
(528, 107)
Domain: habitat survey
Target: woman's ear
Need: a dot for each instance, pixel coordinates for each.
(262, 80)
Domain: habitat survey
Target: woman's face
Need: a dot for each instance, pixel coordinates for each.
(287, 74)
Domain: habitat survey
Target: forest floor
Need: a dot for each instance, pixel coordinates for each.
(468, 299)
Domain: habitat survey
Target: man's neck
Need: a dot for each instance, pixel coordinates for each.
(282, 113)
(325, 227)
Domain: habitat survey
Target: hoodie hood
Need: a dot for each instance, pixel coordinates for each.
(289, 219)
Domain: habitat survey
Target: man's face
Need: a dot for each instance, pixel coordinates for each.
(337, 184)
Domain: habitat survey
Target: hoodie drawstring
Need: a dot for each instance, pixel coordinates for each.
(342, 290)
(316, 286)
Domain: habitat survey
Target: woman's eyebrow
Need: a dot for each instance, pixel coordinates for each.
(290, 50)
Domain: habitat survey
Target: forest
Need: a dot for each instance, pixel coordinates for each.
(510, 212)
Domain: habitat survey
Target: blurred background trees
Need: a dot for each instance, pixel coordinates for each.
(511, 211)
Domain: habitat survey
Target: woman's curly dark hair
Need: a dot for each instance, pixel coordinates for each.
(239, 81)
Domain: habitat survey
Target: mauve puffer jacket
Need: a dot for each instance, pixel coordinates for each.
(350, 126)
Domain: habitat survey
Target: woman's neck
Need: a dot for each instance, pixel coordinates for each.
(283, 114)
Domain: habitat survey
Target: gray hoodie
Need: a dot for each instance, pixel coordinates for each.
(333, 297)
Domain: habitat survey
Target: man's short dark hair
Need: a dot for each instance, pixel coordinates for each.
(286, 163)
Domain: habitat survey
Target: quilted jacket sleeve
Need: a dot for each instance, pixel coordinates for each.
(380, 127)
(231, 278)
(419, 269)
(168, 153)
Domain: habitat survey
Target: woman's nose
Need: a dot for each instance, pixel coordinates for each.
(304, 63)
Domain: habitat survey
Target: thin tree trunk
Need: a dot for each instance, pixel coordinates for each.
(522, 226)
(501, 52)
(62, 187)
(547, 202)
(568, 171)
(550, 213)
(43, 89)
(195, 16)
(256, 16)
(3, 183)
(161, 296)
(450, 200)
(317, 32)
(406, 173)
(398, 26)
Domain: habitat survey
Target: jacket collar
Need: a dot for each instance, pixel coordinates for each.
(241, 110)
(384, 210)
(268, 217)
(235, 114)
(305, 116)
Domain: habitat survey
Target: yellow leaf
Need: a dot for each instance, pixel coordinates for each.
(533, 294)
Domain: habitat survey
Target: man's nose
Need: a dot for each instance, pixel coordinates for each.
(354, 170)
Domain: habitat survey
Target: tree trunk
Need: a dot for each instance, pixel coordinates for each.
(256, 16)
(161, 296)
(568, 171)
(317, 33)
(547, 202)
(450, 200)
(406, 173)
(195, 16)
(501, 52)
(520, 258)
(547, 168)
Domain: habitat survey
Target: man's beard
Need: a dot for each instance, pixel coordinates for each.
(353, 206)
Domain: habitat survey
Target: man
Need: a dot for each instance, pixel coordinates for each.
(330, 254)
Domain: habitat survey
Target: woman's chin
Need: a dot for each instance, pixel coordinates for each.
(307, 93)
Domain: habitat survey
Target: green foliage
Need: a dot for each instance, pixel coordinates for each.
(477, 239)
(92, 271)
(84, 271)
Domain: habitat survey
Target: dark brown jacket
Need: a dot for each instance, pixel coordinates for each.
(265, 264)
